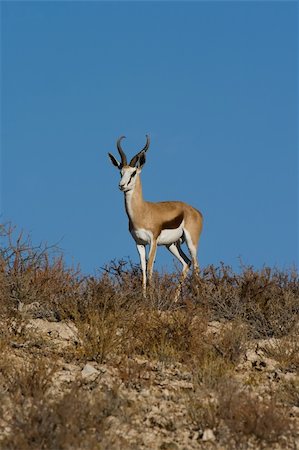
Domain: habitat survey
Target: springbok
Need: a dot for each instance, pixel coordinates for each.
(164, 223)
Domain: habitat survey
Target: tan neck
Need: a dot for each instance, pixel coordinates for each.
(134, 200)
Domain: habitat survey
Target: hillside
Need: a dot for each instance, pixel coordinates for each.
(88, 363)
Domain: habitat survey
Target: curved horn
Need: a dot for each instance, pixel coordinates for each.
(145, 148)
(121, 152)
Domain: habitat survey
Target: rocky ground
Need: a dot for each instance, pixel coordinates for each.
(141, 403)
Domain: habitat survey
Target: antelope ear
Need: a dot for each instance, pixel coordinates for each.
(114, 161)
(141, 160)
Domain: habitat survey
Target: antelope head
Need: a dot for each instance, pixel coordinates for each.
(129, 171)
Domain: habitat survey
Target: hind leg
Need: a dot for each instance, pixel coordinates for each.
(192, 247)
(176, 250)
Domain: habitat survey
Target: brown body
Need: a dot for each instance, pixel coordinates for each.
(156, 217)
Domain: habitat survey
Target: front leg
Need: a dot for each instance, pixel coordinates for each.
(142, 255)
(151, 259)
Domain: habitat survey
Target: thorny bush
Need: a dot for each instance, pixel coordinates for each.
(266, 301)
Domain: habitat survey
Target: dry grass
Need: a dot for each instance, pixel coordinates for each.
(285, 351)
(74, 420)
(35, 415)
(238, 415)
(116, 326)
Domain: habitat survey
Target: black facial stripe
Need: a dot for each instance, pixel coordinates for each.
(133, 175)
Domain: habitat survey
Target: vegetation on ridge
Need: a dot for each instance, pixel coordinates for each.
(223, 359)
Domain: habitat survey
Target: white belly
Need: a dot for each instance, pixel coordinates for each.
(169, 236)
(166, 237)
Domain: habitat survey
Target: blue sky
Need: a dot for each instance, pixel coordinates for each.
(213, 83)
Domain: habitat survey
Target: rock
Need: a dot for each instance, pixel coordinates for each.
(258, 361)
(166, 394)
(196, 436)
(31, 307)
(214, 327)
(141, 361)
(208, 435)
(169, 446)
(290, 376)
(145, 393)
(89, 372)
(251, 355)
(295, 411)
(62, 331)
